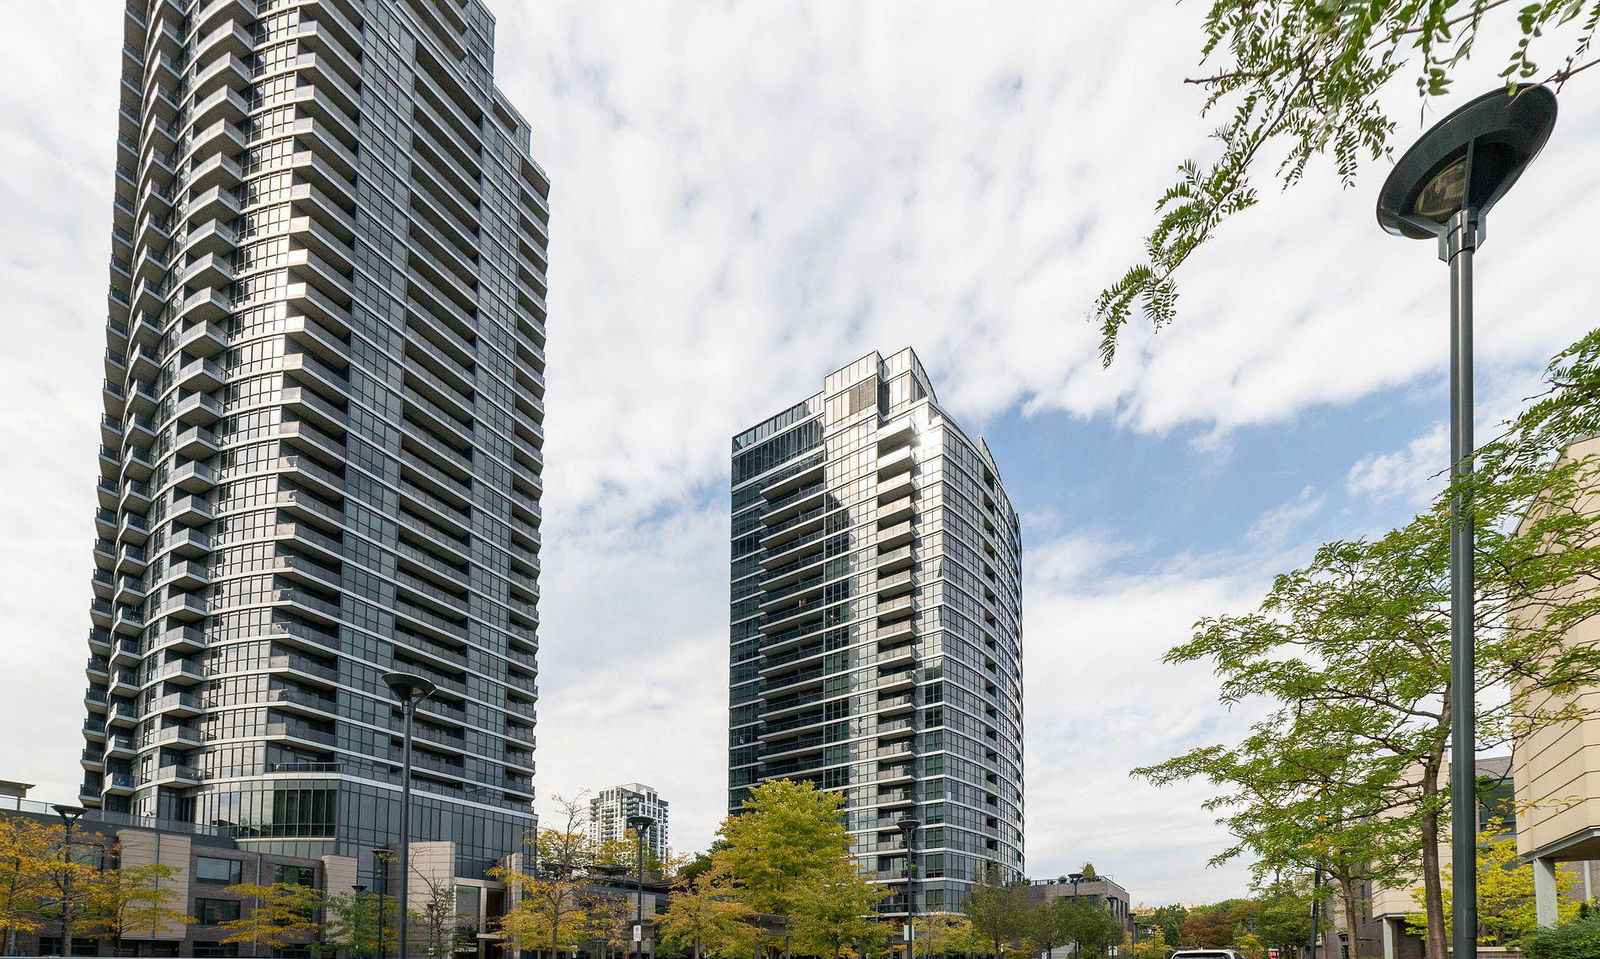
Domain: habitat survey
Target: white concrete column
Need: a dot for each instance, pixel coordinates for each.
(1544, 891)
(1388, 939)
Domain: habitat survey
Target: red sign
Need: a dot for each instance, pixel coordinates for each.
(1272, 954)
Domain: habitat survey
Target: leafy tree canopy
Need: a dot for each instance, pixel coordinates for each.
(1297, 79)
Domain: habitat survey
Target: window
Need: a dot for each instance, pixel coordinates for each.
(301, 875)
(211, 912)
(215, 950)
(217, 872)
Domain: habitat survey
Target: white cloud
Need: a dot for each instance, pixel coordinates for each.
(1099, 702)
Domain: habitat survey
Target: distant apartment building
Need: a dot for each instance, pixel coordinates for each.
(609, 813)
(323, 430)
(876, 611)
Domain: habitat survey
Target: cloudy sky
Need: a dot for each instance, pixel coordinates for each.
(748, 196)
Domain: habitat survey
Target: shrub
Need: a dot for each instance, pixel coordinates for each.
(1578, 939)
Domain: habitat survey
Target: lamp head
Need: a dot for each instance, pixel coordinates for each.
(359, 888)
(1074, 876)
(408, 688)
(68, 814)
(1467, 161)
(639, 823)
(909, 825)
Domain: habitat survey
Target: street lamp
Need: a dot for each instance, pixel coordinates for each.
(69, 818)
(409, 690)
(355, 931)
(639, 823)
(1443, 188)
(908, 828)
(380, 881)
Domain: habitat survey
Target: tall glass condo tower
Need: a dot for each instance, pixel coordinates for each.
(877, 637)
(323, 427)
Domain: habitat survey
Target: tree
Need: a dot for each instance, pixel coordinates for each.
(1211, 927)
(1092, 930)
(1152, 946)
(1304, 78)
(785, 834)
(1505, 892)
(284, 915)
(567, 850)
(29, 856)
(437, 925)
(1283, 914)
(941, 933)
(1167, 919)
(997, 910)
(129, 899)
(1049, 924)
(707, 916)
(1354, 650)
(832, 911)
(608, 922)
(352, 923)
(545, 914)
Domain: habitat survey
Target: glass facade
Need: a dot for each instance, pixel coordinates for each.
(323, 427)
(876, 626)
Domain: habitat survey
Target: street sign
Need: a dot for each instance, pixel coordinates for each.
(638, 933)
(1272, 954)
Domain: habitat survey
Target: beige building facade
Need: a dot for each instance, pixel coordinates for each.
(1557, 771)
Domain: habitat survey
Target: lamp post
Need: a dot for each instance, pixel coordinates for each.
(69, 818)
(380, 881)
(409, 690)
(639, 823)
(908, 828)
(1442, 189)
(355, 931)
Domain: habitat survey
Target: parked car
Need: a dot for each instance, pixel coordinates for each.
(1205, 954)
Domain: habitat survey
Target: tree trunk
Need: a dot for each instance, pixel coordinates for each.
(1347, 891)
(1432, 887)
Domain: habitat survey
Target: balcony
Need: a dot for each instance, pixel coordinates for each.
(127, 621)
(903, 557)
(175, 776)
(899, 679)
(133, 528)
(123, 683)
(198, 410)
(125, 652)
(183, 705)
(899, 534)
(201, 376)
(896, 705)
(197, 443)
(184, 607)
(895, 435)
(189, 543)
(177, 639)
(194, 477)
(896, 584)
(172, 737)
(192, 510)
(899, 461)
(303, 702)
(896, 486)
